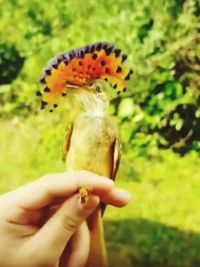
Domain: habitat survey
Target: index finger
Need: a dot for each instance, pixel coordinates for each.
(43, 191)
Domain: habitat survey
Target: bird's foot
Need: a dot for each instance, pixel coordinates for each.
(84, 193)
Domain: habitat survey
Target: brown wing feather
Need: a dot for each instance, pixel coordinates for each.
(67, 141)
(115, 155)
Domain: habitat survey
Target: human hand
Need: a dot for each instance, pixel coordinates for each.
(43, 220)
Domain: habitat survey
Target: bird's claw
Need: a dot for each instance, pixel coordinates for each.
(84, 193)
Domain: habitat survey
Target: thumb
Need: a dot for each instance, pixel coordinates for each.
(52, 238)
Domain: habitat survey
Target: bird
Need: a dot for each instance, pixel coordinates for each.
(89, 77)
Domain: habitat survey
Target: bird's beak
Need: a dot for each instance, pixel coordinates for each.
(77, 89)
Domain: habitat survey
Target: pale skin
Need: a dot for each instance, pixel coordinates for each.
(42, 224)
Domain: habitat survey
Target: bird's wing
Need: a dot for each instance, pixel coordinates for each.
(115, 155)
(67, 140)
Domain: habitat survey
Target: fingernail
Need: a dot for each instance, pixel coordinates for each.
(91, 202)
(125, 194)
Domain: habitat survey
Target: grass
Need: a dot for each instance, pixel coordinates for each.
(160, 227)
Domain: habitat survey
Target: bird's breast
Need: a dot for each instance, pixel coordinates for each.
(90, 144)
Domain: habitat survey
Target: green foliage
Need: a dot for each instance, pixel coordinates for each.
(159, 114)
(160, 38)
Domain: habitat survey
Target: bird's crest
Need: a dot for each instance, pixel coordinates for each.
(82, 67)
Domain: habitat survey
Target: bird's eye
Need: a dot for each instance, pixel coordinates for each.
(98, 89)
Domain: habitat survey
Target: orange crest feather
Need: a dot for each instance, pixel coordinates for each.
(82, 67)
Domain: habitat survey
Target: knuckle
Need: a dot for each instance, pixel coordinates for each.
(70, 223)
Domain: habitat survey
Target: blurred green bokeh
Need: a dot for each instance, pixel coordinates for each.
(159, 117)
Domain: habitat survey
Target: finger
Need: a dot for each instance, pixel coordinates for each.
(117, 197)
(45, 190)
(54, 235)
(77, 253)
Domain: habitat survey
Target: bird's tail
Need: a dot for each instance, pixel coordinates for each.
(98, 255)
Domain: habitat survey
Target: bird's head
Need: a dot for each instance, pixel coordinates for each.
(85, 76)
(93, 97)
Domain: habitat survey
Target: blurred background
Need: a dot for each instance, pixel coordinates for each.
(159, 118)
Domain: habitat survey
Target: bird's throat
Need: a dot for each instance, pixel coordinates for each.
(91, 103)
